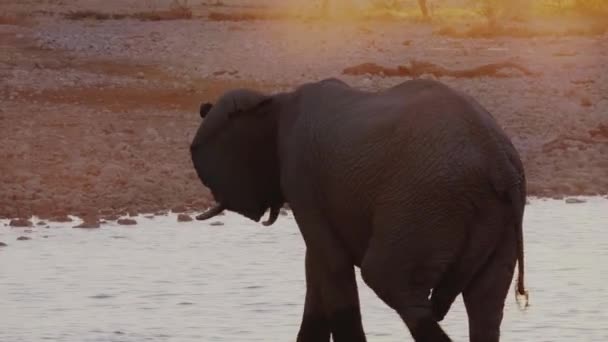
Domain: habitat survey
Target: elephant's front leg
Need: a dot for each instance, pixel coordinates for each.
(315, 324)
(332, 303)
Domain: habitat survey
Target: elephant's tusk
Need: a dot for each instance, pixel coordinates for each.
(274, 214)
(218, 208)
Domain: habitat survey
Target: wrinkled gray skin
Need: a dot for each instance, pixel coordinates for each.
(417, 185)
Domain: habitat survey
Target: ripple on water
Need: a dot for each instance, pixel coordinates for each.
(101, 296)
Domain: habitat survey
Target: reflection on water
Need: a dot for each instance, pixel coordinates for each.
(169, 281)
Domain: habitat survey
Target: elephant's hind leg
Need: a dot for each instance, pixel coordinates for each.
(482, 240)
(405, 288)
(485, 295)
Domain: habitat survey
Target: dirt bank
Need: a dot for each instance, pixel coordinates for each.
(96, 116)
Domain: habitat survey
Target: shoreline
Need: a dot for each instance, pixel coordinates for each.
(122, 218)
(96, 117)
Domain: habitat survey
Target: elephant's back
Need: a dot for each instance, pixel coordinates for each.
(447, 145)
(419, 132)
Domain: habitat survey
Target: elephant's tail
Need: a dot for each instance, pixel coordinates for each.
(517, 196)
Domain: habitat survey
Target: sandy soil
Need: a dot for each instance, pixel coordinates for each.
(96, 116)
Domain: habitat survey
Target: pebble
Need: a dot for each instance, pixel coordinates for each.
(573, 200)
(88, 225)
(23, 238)
(20, 223)
(216, 223)
(126, 222)
(184, 218)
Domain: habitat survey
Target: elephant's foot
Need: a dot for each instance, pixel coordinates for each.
(428, 330)
(314, 328)
(346, 326)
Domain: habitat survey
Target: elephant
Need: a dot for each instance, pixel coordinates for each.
(416, 185)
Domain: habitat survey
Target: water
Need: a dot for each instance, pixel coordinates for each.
(168, 281)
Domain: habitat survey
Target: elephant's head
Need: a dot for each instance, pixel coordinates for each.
(235, 154)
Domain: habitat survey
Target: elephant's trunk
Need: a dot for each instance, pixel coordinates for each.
(214, 211)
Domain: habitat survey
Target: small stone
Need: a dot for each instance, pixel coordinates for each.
(216, 223)
(41, 223)
(111, 217)
(20, 223)
(2, 244)
(23, 238)
(28, 231)
(126, 222)
(573, 200)
(88, 225)
(283, 212)
(184, 218)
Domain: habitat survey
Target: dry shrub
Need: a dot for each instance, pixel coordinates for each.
(418, 68)
(176, 11)
(170, 14)
(498, 10)
(87, 14)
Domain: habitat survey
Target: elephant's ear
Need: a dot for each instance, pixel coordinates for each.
(205, 108)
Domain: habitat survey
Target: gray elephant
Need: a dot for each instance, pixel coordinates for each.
(417, 185)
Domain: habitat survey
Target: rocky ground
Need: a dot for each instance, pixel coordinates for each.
(96, 116)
